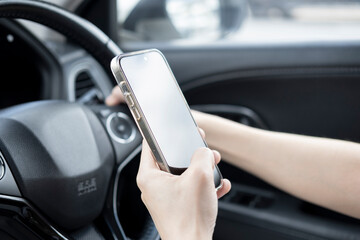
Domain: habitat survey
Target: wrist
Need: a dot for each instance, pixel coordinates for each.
(236, 142)
(205, 120)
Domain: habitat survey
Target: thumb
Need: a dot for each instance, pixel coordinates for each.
(202, 163)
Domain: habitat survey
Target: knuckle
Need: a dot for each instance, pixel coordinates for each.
(204, 175)
(142, 197)
(141, 181)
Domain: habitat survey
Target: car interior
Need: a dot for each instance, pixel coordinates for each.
(68, 162)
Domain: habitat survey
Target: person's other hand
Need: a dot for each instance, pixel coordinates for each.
(185, 206)
(115, 97)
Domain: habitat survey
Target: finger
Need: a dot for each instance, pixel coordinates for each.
(202, 133)
(202, 162)
(224, 189)
(147, 161)
(217, 156)
(115, 97)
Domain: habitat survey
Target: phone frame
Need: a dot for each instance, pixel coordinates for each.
(141, 122)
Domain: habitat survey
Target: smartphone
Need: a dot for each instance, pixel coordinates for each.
(159, 109)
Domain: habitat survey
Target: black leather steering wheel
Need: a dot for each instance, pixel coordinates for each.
(81, 31)
(59, 154)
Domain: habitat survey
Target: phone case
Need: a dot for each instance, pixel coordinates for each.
(138, 115)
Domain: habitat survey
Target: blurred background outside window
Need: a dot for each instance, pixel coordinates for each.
(246, 21)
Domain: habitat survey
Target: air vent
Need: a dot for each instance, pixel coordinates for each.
(83, 84)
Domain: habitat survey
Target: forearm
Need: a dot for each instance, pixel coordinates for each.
(323, 171)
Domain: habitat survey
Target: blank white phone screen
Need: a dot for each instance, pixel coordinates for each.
(163, 106)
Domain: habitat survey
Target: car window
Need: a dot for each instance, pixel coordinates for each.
(248, 21)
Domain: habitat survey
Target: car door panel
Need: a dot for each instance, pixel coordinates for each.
(193, 61)
(309, 89)
(320, 104)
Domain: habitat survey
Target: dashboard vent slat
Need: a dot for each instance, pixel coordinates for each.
(83, 84)
(86, 91)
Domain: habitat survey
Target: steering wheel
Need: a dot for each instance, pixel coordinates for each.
(58, 159)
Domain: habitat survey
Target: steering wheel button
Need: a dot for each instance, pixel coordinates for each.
(120, 127)
(105, 113)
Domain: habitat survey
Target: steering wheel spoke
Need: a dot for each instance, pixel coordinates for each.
(120, 127)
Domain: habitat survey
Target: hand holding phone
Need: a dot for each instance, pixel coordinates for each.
(190, 198)
(159, 109)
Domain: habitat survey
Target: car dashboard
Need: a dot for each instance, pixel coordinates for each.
(34, 69)
(23, 69)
